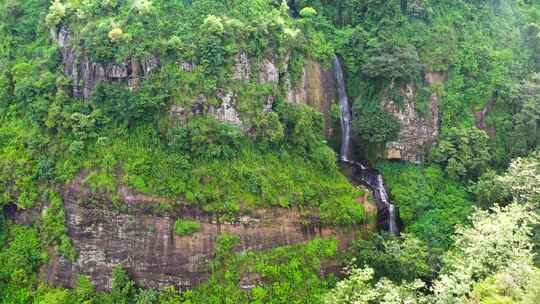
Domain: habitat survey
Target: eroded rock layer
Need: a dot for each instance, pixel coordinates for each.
(136, 236)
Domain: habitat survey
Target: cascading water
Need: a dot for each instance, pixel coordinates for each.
(345, 112)
(368, 176)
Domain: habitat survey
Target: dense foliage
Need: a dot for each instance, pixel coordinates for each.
(186, 227)
(429, 204)
(469, 214)
(491, 262)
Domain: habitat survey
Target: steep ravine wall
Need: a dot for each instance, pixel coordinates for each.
(86, 74)
(316, 86)
(144, 242)
(418, 131)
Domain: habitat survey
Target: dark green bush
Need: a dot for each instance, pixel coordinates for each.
(463, 153)
(206, 138)
(303, 125)
(373, 124)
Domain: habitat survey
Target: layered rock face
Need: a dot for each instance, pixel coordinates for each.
(418, 131)
(144, 243)
(316, 88)
(86, 74)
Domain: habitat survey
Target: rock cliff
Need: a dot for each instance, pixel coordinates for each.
(316, 86)
(85, 74)
(142, 239)
(418, 131)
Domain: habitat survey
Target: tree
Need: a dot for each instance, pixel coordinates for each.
(490, 189)
(526, 133)
(498, 243)
(308, 12)
(501, 288)
(374, 124)
(523, 178)
(463, 153)
(57, 11)
(390, 61)
(360, 288)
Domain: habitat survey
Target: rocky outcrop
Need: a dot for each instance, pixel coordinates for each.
(226, 111)
(142, 239)
(480, 119)
(418, 131)
(86, 74)
(316, 88)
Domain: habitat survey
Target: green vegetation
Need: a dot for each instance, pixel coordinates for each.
(283, 275)
(430, 204)
(398, 259)
(375, 125)
(20, 259)
(186, 227)
(463, 153)
(483, 267)
(469, 214)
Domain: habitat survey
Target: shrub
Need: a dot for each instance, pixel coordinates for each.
(399, 259)
(123, 288)
(122, 106)
(390, 61)
(303, 125)
(20, 261)
(116, 34)
(57, 11)
(186, 227)
(374, 124)
(308, 12)
(206, 138)
(464, 153)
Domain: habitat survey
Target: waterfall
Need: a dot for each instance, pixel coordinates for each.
(368, 176)
(345, 112)
(383, 197)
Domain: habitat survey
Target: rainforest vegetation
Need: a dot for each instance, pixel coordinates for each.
(469, 210)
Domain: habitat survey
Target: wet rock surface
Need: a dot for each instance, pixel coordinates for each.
(316, 88)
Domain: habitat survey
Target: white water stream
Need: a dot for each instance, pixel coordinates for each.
(371, 177)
